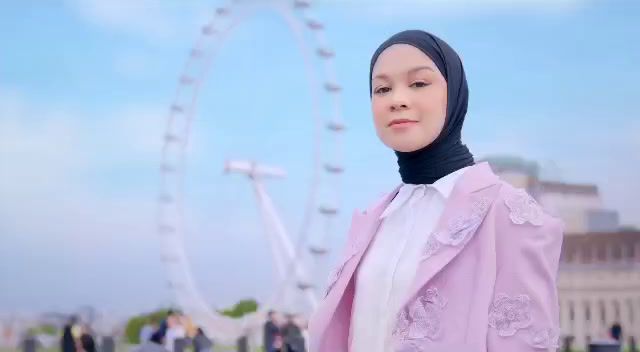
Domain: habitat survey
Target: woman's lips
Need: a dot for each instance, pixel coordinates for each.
(401, 122)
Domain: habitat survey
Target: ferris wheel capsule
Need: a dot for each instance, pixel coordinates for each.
(314, 25)
(208, 30)
(326, 53)
(335, 126)
(328, 210)
(334, 169)
(301, 4)
(222, 11)
(315, 250)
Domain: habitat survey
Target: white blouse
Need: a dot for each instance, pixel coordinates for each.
(388, 268)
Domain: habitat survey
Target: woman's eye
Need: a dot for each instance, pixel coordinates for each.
(382, 90)
(419, 84)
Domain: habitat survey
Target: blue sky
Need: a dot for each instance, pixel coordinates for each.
(85, 86)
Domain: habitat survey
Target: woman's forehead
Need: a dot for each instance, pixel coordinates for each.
(402, 58)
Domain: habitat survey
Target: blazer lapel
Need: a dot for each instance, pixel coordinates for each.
(465, 210)
(363, 229)
(365, 226)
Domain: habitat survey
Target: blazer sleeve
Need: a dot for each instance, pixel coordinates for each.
(524, 312)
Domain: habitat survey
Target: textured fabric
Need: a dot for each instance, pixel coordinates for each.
(486, 281)
(387, 270)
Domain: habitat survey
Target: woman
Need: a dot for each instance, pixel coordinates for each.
(454, 259)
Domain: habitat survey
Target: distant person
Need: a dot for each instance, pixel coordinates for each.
(566, 344)
(164, 323)
(175, 330)
(278, 343)
(201, 343)
(616, 332)
(292, 336)
(271, 333)
(304, 326)
(154, 344)
(147, 330)
(68, 342)
(633, 347)
(87, 341)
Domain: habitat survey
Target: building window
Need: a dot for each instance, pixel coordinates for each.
(617, 252)
(630, 251)
(586, 254)
(572, 313)
(601, 251)
(630, 310)
(567, 257)
(616, 311)
(587, 311)
(603, 317)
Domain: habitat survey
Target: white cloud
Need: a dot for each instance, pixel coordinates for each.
(60, 227)
(49, 159)
(135, 66)
(57, 229)
(144, 17)
(442, 4)
(37, 147)
(411, 9)
(135, 134)
(51, 144)
(155, 21)
(457, 2)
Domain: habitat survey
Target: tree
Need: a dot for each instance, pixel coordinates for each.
(241, 308)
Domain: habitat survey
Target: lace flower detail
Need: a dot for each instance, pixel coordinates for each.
(459, 228)
(523, 208)
(508, 315)
(544, 338)
(431, 247)
(422, 318)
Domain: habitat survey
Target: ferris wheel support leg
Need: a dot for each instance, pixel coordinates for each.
(283, 237)
(278, 256)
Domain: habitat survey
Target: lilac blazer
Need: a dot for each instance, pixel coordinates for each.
(486, 281)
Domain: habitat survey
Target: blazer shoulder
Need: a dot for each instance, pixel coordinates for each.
(515, 207)
(380, 199)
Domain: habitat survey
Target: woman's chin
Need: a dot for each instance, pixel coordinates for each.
(407, 147)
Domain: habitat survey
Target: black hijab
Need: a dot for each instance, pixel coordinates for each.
(446, 153)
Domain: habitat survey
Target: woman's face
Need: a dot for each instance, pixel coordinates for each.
(409, 98)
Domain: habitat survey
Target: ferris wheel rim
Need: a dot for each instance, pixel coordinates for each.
(170, 137)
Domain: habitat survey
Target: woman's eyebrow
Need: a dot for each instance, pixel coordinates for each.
(416, 69)
(413, 70)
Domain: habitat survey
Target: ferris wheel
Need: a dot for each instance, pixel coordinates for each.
(297, 262)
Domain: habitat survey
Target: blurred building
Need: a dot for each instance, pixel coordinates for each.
(599, 284)
(599, 277)
(579, 205)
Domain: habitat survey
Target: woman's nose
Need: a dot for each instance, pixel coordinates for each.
(399, 101)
